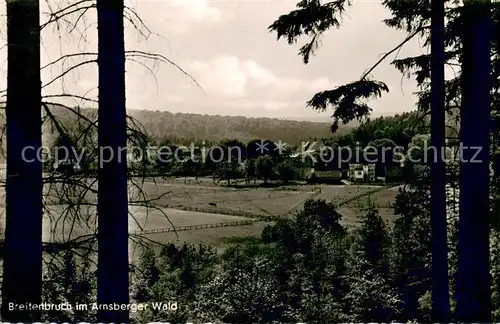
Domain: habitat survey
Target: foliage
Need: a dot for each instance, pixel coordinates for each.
(286, 171)
(261, 147)
(71, 281)
(349, 101)
(241, 295)
(311, 18)
(250, 169)
(371, 296)
(373, 243)
(411, 248)
(265, 167)
(172, 276)
(399, 129)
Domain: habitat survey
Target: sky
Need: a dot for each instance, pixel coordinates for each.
(226, 47)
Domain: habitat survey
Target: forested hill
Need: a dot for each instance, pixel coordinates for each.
(216, 127)
(161, 124)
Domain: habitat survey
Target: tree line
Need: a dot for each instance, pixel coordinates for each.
(188, 127)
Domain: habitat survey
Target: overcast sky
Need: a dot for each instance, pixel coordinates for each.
(226, 47)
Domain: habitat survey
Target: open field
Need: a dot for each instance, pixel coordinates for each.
(382, 200)
(266, 202)
(257, 201)
(206, 203)
(215, 237)
(144, 219)
(61, 223)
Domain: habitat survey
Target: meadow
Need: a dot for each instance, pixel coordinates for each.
(184, 203)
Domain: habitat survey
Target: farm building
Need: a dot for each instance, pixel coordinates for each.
(359, 172)
(66, 166)
(365, 166)
(328, 176)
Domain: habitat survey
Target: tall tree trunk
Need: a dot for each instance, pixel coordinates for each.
(473, 277)
(440, 286)
(112, 209)
(22, 266)
(496, 142)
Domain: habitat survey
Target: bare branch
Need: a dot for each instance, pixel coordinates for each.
(74, 67)
(68, 56)
(396, 48)
(161, 58)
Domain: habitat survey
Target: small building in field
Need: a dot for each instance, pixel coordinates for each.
(365, 166)
(66, 166)
(328, 176)
(360, 172)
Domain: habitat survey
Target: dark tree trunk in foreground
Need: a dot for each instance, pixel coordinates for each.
(22, 264)
(473, 281)
(440, 286)
(113, 203)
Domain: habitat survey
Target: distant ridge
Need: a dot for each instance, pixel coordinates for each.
(216, 127)
(191, 126)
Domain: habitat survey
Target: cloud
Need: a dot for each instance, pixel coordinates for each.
(200, 10)
(267, 105)
(320, 84)
(261, 75)
(179, 16)
(221, 76)
(229, 77)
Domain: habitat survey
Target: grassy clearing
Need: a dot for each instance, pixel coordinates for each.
(206, 196)
(220, 238)
(257, 201)
(382, 200)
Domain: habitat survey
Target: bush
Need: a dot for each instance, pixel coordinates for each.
(286, 171)
(269, 234)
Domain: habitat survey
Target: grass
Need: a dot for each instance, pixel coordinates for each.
(241, 240)
(382, 200)
(204, 195)
(258, 201)
(220, 238)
